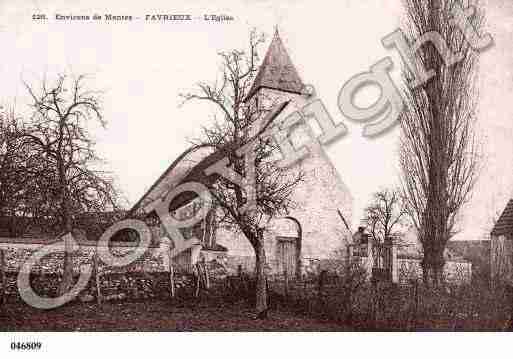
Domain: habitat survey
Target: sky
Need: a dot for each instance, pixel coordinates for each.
(142, 67)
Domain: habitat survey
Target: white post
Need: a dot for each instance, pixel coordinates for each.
(171, 274)
(96, 269)
(370, 259)
(394, 264)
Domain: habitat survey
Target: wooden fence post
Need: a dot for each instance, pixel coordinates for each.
(197, 269)
(375, 301)
(509, 296)
(3, 297)
(286, 284)
(305, 287)
(415, 299)
(172, 280)
(207, 275)
(322, 279)
(96, 270)
(267, 292)
(241, 284)
(171, 275)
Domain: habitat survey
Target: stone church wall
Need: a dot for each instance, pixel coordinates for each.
(316, 201)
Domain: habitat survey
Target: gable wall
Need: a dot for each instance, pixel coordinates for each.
(501, 258)
(316, 202)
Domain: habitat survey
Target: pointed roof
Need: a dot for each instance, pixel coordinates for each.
(505, 223)
(277, 71)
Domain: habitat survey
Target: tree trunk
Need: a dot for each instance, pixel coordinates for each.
(67, 274)
(433, 265)
(438, 267)
(261, 278)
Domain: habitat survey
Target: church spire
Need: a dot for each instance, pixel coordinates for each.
(277, 71)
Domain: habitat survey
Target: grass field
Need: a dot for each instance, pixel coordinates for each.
(154, 315)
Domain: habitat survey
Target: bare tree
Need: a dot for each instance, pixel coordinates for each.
(385, 214)
(19, 191)
(439, 152)
(72, 183)
(241, 126)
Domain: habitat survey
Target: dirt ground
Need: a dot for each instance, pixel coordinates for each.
(154, 315)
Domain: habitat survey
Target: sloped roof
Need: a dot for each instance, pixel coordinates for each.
(195, 172)
(505, 223)
(171, 177)
(277, 71)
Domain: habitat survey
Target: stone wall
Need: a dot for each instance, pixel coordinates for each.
(146, 277)
(17, 251)
(457, 272)
(114, 286)
(309, 267)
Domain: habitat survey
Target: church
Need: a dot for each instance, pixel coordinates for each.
(315, 231)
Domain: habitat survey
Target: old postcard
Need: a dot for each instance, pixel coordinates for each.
(250, 166)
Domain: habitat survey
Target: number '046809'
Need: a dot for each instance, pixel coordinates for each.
(26, 345)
